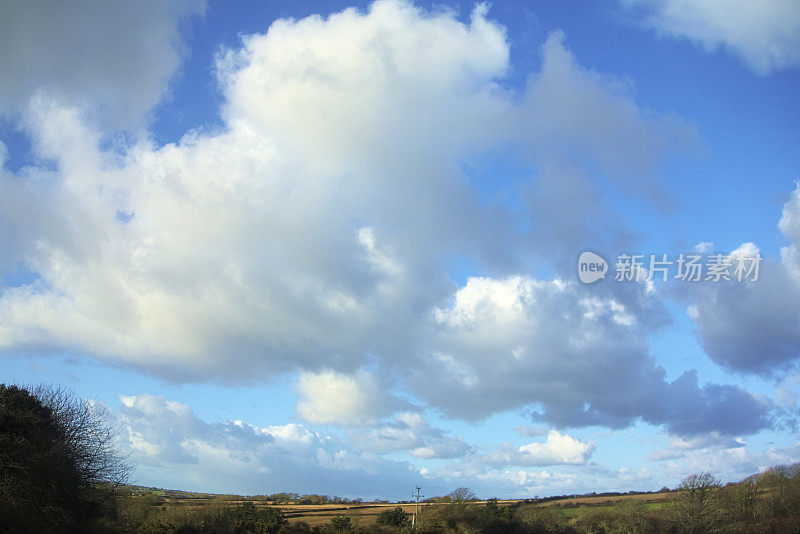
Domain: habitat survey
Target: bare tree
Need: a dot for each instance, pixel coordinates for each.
(695, 504)
(90, 434)
(462, 495)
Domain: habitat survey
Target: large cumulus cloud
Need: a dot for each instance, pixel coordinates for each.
(313, 230)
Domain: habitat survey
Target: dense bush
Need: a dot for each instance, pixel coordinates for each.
(340, 523)
(147, 514)
(394, 517)
(59, 469)
(470, 517)
(627, 516)
(543, 519)
(768, 502)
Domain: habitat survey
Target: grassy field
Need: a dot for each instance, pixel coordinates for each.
(312, 514)
(367, 513)
(362, 514)
(574, 506)
(320, 514)
(606, 500)
(572, 511)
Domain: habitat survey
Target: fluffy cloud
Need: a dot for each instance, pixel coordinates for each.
(579, 360)
(680, 446)
(766, 34)
(412, 433)
(564, 480)
(314, 230)
(557, 449)
(114, 57)
(755, 326)
(541, 482)
(329, 397)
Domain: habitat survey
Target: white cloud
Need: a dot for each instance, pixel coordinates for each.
(705, 247)
(544, 482)
(507, 466)
(679, 446)
(410, 432)
(534, 482)
(764, 34)
(297, 237)
(570, 480)
(557, 449)
(329, 397)
(115, 58)
(789, 225)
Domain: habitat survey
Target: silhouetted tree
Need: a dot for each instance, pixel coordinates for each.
(58, 464)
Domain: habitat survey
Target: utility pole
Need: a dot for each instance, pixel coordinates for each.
(416, 510)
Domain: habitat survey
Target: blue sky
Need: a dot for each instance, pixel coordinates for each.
(332, 247)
